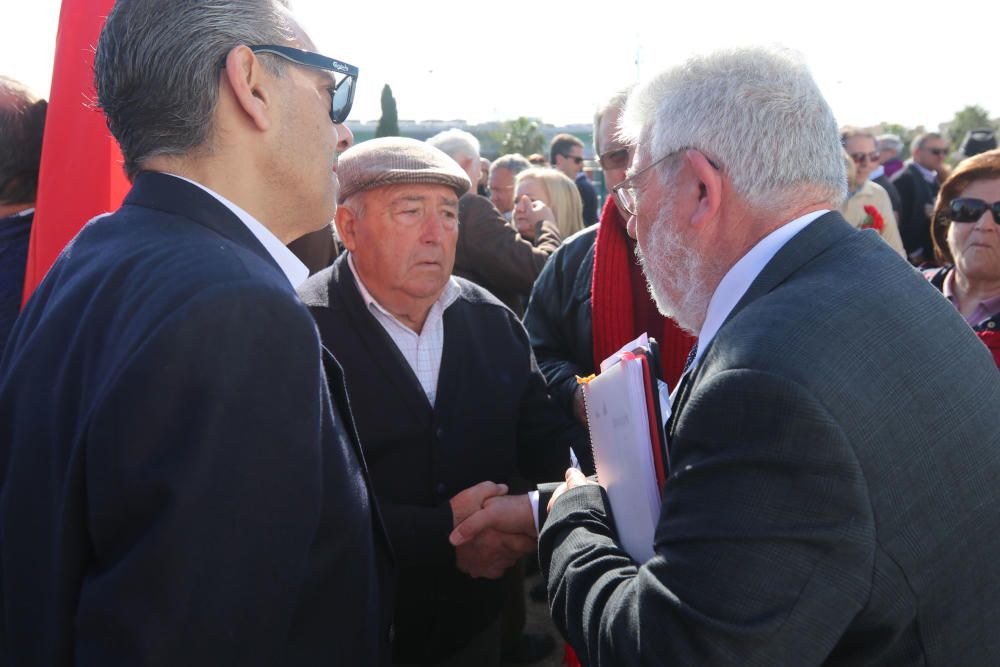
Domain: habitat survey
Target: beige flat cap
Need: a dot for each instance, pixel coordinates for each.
(396, 160)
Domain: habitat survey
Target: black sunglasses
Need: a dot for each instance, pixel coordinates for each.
(938, 151)
(341, 94)
(575, 158)
(969, 209)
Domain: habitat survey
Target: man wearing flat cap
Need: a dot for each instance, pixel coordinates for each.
(446, 395)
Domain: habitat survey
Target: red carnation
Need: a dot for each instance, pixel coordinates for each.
(873, 220)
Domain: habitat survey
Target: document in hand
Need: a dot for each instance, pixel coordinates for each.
(628, 444)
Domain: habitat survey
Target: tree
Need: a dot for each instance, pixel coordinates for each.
(970, 118)
(388, 124)
(520, 136)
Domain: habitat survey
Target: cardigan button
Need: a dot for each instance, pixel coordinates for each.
(439, 432)
(991, 325)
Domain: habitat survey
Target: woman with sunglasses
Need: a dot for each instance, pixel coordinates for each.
(966, 231)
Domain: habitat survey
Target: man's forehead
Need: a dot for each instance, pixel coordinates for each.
(393, 194)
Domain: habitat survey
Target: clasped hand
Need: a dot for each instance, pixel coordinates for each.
(492, 529)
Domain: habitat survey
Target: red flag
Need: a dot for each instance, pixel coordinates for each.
(81, 172)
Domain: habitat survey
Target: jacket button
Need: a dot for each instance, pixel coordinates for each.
(439, 432)
(440, 489)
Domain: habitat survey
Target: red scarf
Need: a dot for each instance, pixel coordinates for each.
(617, 289)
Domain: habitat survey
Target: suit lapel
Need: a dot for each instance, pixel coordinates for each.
(802, 248)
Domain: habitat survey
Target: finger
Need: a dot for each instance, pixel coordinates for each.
(561, 489)
(468, 529)
(480, 492)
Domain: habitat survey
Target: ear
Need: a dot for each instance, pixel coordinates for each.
(251, 86)
(347, 227)
(709, 183)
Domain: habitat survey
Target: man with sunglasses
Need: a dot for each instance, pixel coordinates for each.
(178, 485)
(917, 185)
(566, 155)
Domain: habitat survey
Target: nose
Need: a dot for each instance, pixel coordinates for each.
(345, 138)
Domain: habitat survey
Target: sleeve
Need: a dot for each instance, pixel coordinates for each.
(764, 547)
(908, 222)
(496, 249)
(203, 468)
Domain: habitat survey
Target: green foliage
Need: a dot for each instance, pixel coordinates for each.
(970, 118)
(520, 135)
(388, 124)
(905, 134)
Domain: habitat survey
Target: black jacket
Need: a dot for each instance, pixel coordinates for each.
(492, 415)
(916, 197)
(177, 486)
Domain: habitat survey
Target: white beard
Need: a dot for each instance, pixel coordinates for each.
(674, 275)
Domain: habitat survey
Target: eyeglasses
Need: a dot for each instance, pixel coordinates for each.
(969, 209)
(937, 151)
(616, 159)
(625, 193)
(575, 158)
(861, 157)
(341, 94)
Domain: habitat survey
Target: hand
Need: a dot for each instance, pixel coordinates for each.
(491, 540)
(469, 501)
(574, 478)
(579, 407)
(529, 214)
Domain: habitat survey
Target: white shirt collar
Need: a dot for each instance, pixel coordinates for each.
(290, 265)
(929, 176)
(738, 279)
(449, 294)
(879, 170)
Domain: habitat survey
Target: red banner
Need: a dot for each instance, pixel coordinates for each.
(81, 172)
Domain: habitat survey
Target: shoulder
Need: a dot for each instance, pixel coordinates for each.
(472, 295)
(576, 248)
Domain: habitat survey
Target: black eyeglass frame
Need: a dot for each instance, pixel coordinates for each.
(318, 61)
(625, 192)
(971, 205)
(577, 159)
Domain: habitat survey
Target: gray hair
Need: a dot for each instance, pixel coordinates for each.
(356, 202)
(157, 68)
(890, 142)
(515, 163)
(756, 111)
(616, 101)
(456, 143)
(921, 139)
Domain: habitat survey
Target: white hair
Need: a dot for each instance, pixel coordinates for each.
(456, 143)
(754, 111)
(615, 102)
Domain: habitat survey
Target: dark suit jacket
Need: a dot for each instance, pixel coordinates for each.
(491, 416)
(15, 232)
(827, 503)
(493, 255)
(177, 487)
(915, 195)
(890, 190)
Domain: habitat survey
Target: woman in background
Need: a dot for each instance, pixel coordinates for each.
(868, 206)
(545, 193)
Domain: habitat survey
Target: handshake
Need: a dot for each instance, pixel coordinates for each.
(491, 529)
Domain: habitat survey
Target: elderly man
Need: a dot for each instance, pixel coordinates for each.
(22, 121)
(503, 172)
(490, 252)
(178, 487)
(917, 185)
(581, 313)
(825, 504)
(445, 392)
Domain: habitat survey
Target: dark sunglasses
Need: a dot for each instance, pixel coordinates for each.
(616, 159)
(969, 209)
(861, 157)
(341, 94)
(938, 151)
(575, 158)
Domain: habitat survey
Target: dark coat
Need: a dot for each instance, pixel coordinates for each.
(178, 487)
(493, 255)
(15, 233)
(890, 190)
(827, 504)
(916, 197)
(492, 416)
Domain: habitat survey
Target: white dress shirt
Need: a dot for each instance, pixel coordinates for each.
(738, 279)
(422, 351)
(294, 270)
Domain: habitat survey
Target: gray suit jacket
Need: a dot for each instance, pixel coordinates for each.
(830, 500)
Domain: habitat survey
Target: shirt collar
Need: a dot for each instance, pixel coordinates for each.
(449, 294)
(879, 170)
(738, 279)
(929, 176)
(290, 265)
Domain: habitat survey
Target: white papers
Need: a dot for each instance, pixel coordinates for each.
(619, 434)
